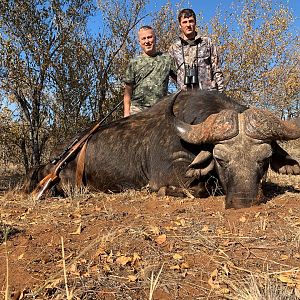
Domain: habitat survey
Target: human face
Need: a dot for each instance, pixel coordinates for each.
(147, 41)
(188, 27)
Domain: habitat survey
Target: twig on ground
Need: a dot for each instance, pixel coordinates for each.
(5, 236)
(153, 283)
(7, 293)
(58, 274)
(69, 297)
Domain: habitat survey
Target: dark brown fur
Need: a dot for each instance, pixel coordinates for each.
(145, 149)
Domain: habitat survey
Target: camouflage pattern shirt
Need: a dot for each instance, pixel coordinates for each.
(203, 53)
(149, 76)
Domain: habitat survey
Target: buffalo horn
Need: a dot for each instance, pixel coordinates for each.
(201, 158)
(217, 127)
(264, 125)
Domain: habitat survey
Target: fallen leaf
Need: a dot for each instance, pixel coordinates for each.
(205, 228)
(180, 222)
(225, 269)
(257, 215)
(176, 267)
(284, 257)
(171, 247)
(223, 291)
(221, 231)
(78, 231)
(106, 268)
(289, 278)
(154, 229)
(100, 251)
(169, 228)
(123, 260)
(184, 273)
(74, 270)
(161, 239)
(132, 278)
(243, 219)
(21, 256)
(177, 256)
(94, 269)
(185, 265)
(213, 279)
(135, 257)
(109, 258)
(227, 243)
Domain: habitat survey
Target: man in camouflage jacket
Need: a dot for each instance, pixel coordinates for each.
(147, 76)
(192, 50)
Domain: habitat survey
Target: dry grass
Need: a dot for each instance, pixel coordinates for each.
(154, 282)
(135, 245)
(258, 288)
(7, 290)
(75, 192)
(157, 248)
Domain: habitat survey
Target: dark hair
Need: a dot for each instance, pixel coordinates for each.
(186, 13)
(145, 27)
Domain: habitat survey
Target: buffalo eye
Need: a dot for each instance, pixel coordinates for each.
(221, 156)
(263, 162)
(222, 162)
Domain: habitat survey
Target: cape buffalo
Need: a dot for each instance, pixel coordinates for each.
(208, 134)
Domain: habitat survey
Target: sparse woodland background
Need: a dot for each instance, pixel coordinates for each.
(57, 75)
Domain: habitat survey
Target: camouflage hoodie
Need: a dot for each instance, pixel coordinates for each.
(210, 75)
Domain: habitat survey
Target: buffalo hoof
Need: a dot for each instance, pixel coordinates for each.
(290, 169)
(174, 192)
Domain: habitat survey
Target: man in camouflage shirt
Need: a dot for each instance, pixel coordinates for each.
(147, 76)
(192, 50)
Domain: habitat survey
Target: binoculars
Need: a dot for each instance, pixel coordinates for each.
(191, 76)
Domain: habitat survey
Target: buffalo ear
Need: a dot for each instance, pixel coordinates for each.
(282, 163)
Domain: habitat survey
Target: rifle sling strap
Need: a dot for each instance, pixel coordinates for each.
(80, 165)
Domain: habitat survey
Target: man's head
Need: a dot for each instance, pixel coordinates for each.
(187, 23)
(147, 40)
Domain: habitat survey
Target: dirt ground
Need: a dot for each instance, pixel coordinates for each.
(135, 245)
